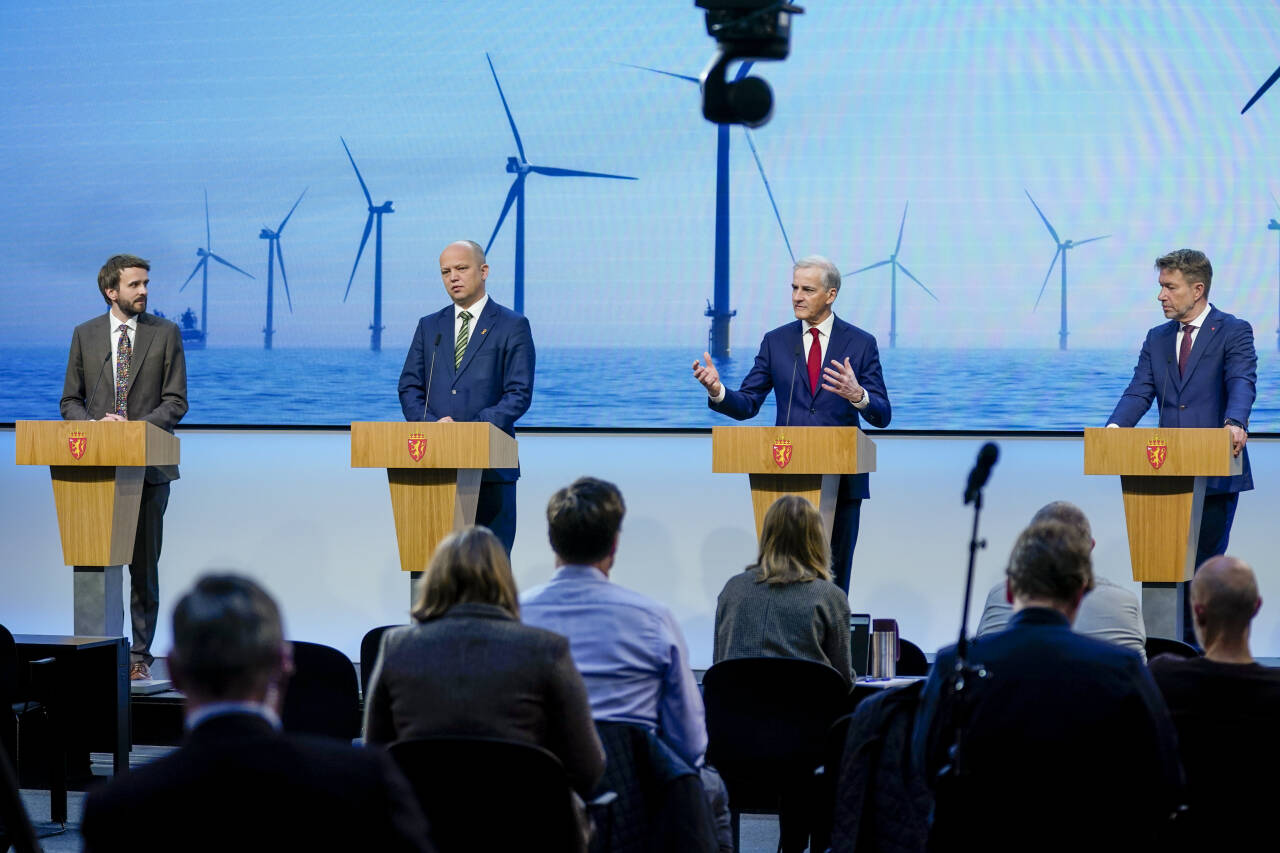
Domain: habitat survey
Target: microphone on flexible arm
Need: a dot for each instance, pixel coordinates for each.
(1168, 368)
(987, 457)
(791, 397)
(431, 374)
(106, 358)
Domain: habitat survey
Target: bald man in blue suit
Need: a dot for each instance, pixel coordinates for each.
(822, 372)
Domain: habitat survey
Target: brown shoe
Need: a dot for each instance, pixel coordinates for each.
(139, 672)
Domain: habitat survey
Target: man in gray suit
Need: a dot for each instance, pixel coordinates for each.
(149, 382)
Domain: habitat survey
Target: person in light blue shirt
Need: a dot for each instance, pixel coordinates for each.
(628, 647)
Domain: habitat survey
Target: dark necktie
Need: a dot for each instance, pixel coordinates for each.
(1184, 351)
(124, 354)
(815, 362)
(464, 335)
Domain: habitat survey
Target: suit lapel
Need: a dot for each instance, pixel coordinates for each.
(838, 346)
(1168, 344)
(143, 337)
(480, 332)
(796, 333)
(1205, 338)
(98, 354)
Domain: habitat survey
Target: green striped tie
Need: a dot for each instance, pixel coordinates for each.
(464, 335)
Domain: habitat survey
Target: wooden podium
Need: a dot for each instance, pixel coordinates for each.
(98, 469)
(805, 461)
(434, 471)
(1162, 475)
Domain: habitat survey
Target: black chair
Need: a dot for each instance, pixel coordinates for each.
(486, 794)
(369, 647)
(911, 660)
(828, 778)
(1165, 646)
(15, 825)
(322, 697)
(24, 699)
(766, 722)
(661, 804)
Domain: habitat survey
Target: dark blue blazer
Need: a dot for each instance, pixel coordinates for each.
(493, 383)
(1219, 385)
(777, 362)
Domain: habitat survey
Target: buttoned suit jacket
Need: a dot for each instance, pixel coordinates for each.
(780, 367)
(493, 382)
(157, 388)
(1219, 384)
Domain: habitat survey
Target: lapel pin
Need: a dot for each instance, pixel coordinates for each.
(482, 331)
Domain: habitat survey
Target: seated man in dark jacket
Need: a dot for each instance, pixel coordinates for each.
(237, 782)
(1064, 742)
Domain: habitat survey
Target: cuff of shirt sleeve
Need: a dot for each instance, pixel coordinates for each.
(719, 398)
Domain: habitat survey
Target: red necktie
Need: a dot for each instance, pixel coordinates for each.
(1184, 352)
(815, 362)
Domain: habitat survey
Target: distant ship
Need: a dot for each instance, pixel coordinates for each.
(192, 337)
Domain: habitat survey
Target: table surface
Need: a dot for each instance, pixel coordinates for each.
(64, 640)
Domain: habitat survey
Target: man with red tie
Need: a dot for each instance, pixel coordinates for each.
(822, 372)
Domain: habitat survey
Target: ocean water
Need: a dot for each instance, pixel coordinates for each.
(930, 389)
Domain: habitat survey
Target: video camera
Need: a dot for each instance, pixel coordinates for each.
(744, 29)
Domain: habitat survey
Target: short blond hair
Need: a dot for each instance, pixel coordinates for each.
(793, 545)
(468, 566)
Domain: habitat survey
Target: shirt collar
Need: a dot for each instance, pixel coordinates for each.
(218, 709)
(132, 322)
(572, 572)
(824, 328)
(1199, 321)
(475, 310)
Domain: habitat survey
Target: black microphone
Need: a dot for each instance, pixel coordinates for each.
(431, 373)
(987, 457)
(96, 383)
(1168, 368)
(791, 398)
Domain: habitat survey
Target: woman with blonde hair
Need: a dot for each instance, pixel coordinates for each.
(468, 666)
(785, 605)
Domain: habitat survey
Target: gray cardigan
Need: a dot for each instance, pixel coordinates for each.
(807, 620)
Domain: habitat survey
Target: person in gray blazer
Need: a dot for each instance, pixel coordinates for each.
(786, 604)
(468, 666)
(128, 365)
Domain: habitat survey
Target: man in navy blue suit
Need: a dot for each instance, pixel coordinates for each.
(1201, 369)
(475, 361)
(791, 364)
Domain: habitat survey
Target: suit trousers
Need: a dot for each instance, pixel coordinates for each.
(496, 510)
(144, 571)
(844, 537)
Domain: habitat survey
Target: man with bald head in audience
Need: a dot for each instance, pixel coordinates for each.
(1226, 706)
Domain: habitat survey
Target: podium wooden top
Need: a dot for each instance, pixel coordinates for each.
(416, 444)
(791, 450)
(94, 443)
(1160, 452)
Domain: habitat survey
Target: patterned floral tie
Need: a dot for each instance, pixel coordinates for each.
(124, 353)
(464, 335)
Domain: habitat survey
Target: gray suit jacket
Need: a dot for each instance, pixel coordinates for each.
(1108, 612)
(478, 671)
(157, 381)
(807, 620)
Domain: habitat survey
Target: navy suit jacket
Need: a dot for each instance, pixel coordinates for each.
(493, 383)
(777, 364)
(1219, 384)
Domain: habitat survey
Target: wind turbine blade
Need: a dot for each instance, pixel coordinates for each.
(204, 259)
(511, 197)
(869, 267)
(575, 173)
(1044, 219)
(512, 121)
(1090, 240)
(367, 197)
(208, 241)
(280, 230)
(1052, 264)
(769, 190)
(902, 225)
(1275, 75)
(284, 278)
(744, 70)
(660, 71)
(368, 226)
(1273, 198)
(227, 263)
(917, 281)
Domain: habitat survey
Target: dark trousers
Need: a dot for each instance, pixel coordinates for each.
(844, 537)
(1215, 534)
(496, 510)
(144, 571)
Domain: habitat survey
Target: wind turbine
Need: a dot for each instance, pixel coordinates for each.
(1063, 246)
(521, 168)
(273, 252)
(1275, 75)
(1273, 225)
(375, 212)
(202, 266)
(894, 266)
(718, 309)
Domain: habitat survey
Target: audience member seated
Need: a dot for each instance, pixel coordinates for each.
(628, 647)
(785, 605)
(1108, 612)
(1059, 741)
(469, 667)
(1225, 706)
(237, 782)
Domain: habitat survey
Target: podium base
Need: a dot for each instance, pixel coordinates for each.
(98, 600)
(1162, 609)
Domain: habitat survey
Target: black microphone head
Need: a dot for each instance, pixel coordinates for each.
(798, 351)
(438, 337)
(988, 455)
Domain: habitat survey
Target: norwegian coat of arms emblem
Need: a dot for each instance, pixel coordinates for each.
(77, 443)
(1157, 452)
(781, 452)
(417, 446)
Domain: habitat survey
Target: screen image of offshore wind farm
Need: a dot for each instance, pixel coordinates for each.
(993, 179)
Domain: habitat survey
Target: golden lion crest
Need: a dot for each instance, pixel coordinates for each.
(1157, 452)
(77, 443)
(781, 452)
(417, 446)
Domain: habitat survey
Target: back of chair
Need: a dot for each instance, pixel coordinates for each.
(369, 648)
(911, 660)
(322, 697)
(482, 794)
(1165, 646)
